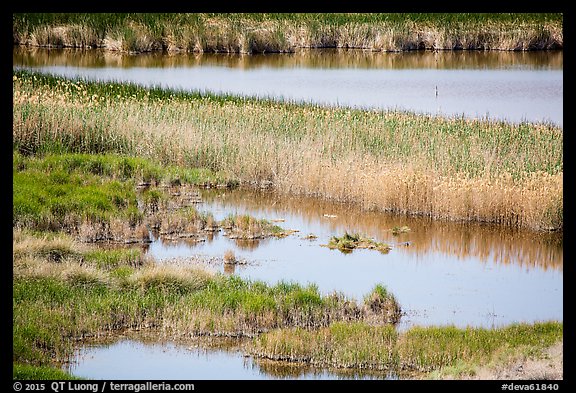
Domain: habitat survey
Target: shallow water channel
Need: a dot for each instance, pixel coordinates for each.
(441, 273)
(501, 85)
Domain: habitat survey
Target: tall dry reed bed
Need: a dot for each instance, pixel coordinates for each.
(444, 168)
(248, 33)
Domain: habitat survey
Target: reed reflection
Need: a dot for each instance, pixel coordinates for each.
(483, 241)
(319, 58)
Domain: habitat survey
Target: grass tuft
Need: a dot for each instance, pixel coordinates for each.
(360, 345)
(229, 257)
(380, 303)
(399, 230)
(347, 242)
(243, 226)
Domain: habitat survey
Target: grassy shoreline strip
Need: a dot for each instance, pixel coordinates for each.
(424, 349)
(257, 33)
(348, 242)
(27, 372)
(443, 168)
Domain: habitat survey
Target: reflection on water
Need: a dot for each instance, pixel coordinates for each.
(229, 268)
(136, 357)
(320, 58)
(441, 273)
(288, 370)
(487, 243)
(499, 85)
(248, 244)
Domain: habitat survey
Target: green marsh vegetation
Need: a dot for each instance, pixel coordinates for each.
(67, 289)
(396, 231)
(443, 168)
(475, 345)
(60, 301)
(348, 242)
(423, 349)
(256, 33)
(94, 197)
(28, 372)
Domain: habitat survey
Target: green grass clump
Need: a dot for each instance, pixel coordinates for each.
(114, 166)
(59, 200)
(182, 222)
(28, 372)
(428, 348)
(344, 243)
(153, 200)
(60, 248)
(50, 312)
(399, 230)
(53, 197)
(113, 259)
(381, 302)
(55, 247)
(65, 192)
(256, 303)
(348, 242)
(170, 282)
(341, 344)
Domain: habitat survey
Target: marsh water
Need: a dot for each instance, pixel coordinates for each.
(441, 273)
(197, 360)
(511, 86)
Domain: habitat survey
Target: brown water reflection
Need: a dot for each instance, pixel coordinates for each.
(486, 242)
(248, 244)
(319, 58)
(288, 370)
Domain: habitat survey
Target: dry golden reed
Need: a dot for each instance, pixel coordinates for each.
(257, 33)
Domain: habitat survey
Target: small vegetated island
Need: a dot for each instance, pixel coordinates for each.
(98, 162)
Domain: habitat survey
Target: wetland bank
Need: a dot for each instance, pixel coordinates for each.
(197, 217)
